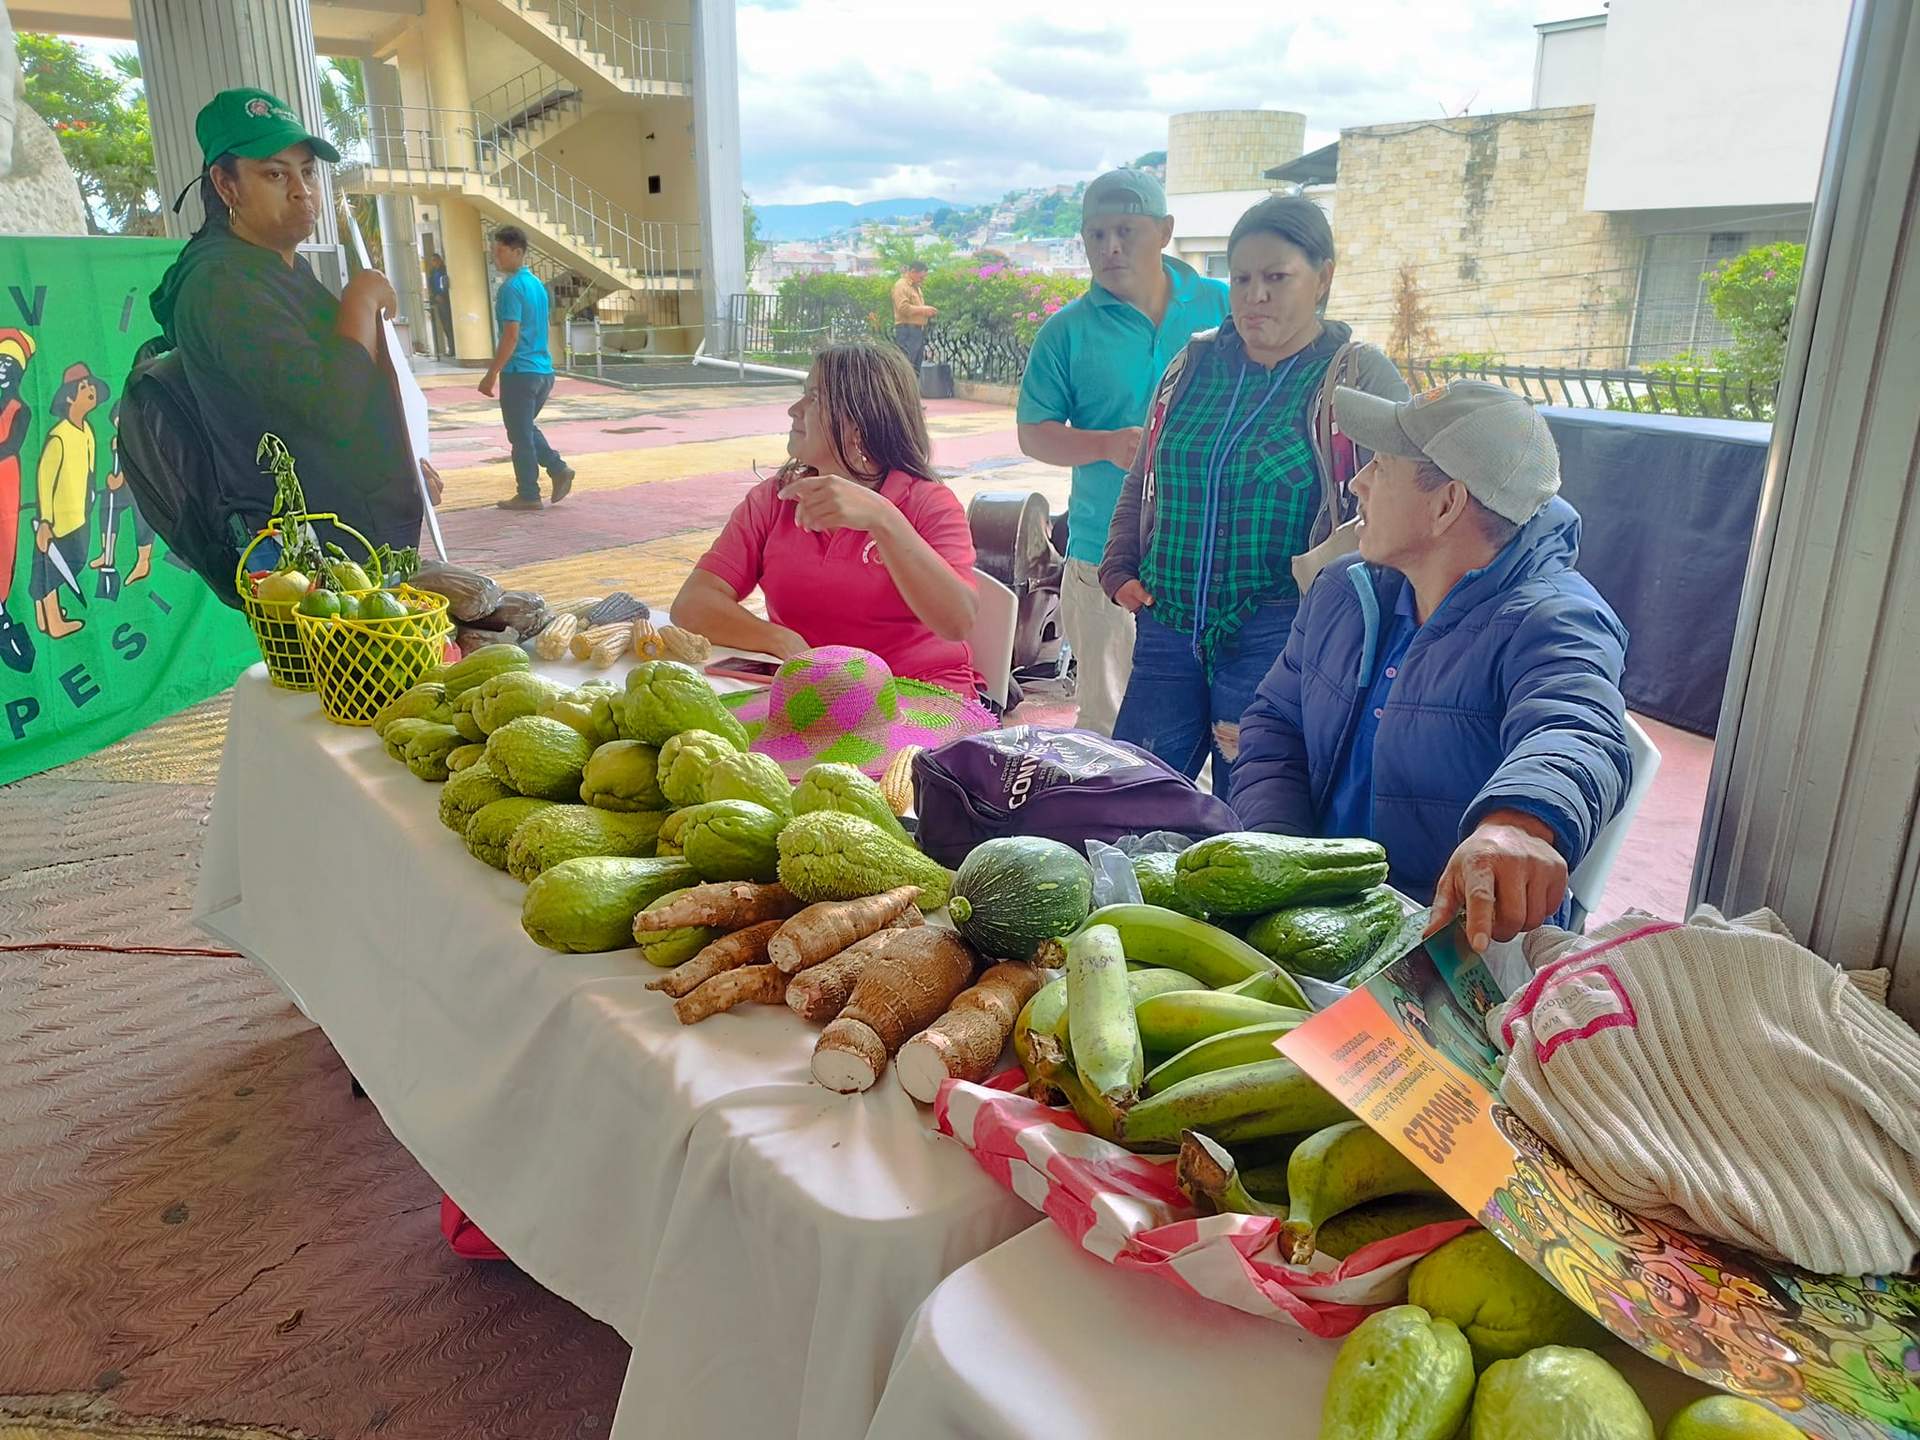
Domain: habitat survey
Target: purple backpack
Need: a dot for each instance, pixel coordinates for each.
(1067, 785)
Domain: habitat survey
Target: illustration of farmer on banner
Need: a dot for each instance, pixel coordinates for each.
(16, 349)
(65, 481)
(118, 501)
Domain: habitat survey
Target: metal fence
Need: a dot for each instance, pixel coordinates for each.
(787, 330)
(1655, 392)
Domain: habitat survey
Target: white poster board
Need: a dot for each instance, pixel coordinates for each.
(413, 401)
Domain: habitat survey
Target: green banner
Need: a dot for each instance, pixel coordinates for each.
(103, 633)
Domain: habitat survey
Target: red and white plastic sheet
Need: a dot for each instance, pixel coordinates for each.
(1127, 1210)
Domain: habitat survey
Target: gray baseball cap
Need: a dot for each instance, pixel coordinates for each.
(1124, 192)
(1484, 435)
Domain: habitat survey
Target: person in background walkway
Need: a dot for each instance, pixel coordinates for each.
(854, 541)
(1455, 693)
(1084, 399)
(267, 349)
(523, 371)
(911, 313)
(1227, 488)
(440, 305)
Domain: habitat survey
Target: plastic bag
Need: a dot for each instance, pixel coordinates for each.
(1127, 1209)
(1114, 882)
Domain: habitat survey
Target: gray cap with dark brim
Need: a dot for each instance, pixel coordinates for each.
(1487, 437)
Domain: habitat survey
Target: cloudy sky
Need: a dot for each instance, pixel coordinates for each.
(867, 99)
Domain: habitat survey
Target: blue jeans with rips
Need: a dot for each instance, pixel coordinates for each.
(1174, 700)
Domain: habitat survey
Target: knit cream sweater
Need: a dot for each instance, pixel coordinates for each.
(1721, 1078)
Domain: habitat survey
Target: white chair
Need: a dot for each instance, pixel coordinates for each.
(992, 637)
(1589, 882)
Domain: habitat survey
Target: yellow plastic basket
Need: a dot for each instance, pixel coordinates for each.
(360, 665)
(273, 620)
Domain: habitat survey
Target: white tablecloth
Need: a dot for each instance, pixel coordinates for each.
(1037, 1340)
(760, 1242)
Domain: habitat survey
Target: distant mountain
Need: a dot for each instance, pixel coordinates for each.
(828, 217)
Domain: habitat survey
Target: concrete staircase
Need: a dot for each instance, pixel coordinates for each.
(419, 151)
(529, 110)
(606, 51)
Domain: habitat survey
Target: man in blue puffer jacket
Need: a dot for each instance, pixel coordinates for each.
(1454, 695)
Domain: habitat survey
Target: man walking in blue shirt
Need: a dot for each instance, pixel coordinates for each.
(1084, 398)
(523, 370)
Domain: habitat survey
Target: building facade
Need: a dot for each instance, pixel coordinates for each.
(609, 133)
(1587, 230)
(1216, 172)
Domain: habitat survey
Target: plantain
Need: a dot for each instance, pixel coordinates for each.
(1242, 1046)
(1170, 1023)
(1056, 1073)
(1267, 1182)
(1353, 1230)
(1276, 987)
(1152, 935)
(1047, 1009)
(1101, 1033)
(1342, 1166)
(1209, 1178)
(1266, 1098)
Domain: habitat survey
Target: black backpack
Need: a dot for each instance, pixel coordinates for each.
(168, 464)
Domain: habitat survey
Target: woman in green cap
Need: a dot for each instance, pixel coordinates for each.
(265, 346)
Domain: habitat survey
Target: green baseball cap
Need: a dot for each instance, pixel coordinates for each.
(254, 124)
(1124, 192)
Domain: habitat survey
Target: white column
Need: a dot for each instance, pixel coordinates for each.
(400, 254)
(462, 244)
(190, 50)
(716, 152)
(1811, 810)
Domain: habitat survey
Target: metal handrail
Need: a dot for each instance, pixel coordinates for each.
(651, 51)
(528, 98)
(426, 143)
(1658, 392)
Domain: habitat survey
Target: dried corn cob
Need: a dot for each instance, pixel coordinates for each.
(686, 646)
(613, 642)
(578, 608)
(552, 642)
(586, 639)
(897, 784)
(648, 643)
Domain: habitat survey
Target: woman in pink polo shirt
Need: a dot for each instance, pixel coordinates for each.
(853, 542)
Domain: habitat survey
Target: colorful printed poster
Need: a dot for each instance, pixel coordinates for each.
(101, 632)
(1408, 1053)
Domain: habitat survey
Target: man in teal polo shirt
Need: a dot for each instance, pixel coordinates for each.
(1084, 399)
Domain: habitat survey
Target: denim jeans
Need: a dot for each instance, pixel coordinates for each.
(521, 398)
(1174, 700)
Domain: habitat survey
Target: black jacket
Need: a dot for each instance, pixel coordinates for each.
(256, 338)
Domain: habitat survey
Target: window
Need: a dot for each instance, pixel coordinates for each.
(1217, 265)
(1672, 314)
(653, 184)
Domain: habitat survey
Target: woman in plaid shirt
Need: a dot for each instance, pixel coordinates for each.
(1240, 472)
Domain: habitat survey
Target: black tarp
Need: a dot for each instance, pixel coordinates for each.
(1666, 506)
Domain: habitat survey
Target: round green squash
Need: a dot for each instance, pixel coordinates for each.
(1013, 893)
